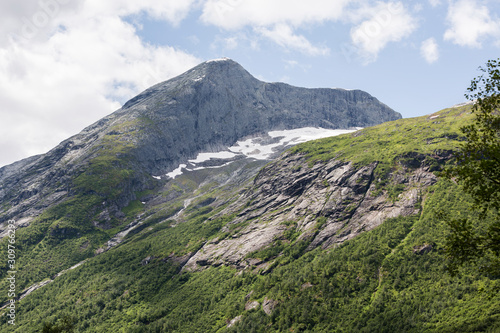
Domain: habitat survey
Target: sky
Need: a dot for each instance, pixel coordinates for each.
(65, 64)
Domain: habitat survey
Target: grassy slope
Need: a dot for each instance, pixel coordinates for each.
(373, 283)
(64, 234)
(389, 141)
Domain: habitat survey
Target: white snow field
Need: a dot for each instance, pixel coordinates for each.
(260, 147)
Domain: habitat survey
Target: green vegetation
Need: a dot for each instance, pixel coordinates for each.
(473, 240)
(61, 237)
(133, 208)
(390, 143)
(478, 160)
(64, 325)
(390, 279)
(69, 232)
(109, 170)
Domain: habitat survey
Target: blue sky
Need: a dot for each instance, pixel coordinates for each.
(66, 63)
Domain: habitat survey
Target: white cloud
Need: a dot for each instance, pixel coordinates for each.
(469, 23)
(385, 23)
(377, 23)
(78, 67)
(235, 41)
(36, 19)
(275, 19)
(236, 14)
(283, 35)
(430, 50)
(31, 19)
(173, 11)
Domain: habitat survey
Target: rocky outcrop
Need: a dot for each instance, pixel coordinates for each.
(234, 321)
(327, 203)
(250, 305)
(268, 305)
(423, 249)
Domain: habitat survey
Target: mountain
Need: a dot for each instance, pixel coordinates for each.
(177, 214)
(206, 109)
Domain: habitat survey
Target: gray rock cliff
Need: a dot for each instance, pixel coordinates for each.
(328, 202)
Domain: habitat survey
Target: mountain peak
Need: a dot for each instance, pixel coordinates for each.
(223, 69)
(217, 64)
(207, 109)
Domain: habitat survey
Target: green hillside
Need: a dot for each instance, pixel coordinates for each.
(393, 278)
(390, 141)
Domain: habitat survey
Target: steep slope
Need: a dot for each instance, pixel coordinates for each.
(213, 253)
(100, 187)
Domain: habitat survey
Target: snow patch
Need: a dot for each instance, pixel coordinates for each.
(177, 172)
(258, 149)
(263, 147)
(210, 167)
(203, 157)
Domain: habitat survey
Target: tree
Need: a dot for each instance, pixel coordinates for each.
(477, 169)
(66, 325)
(478, 161)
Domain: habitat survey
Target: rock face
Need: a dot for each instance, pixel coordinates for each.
(251, 305)
(328, 203)
(209, 107)
(268, 306)
(218, 102)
